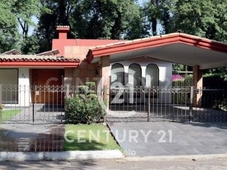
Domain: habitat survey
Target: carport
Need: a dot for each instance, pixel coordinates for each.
(168, 138)
(200, 53)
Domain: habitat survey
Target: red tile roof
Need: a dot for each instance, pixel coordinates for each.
(35, 61)
(36, 58)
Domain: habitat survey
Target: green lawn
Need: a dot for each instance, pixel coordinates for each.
(89, 137)
(8, 114)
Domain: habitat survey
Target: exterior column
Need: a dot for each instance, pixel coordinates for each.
(105, 77)
(198, 84)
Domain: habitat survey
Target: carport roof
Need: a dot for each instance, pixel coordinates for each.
(176, 48)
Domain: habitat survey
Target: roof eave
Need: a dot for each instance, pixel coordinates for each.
(132, 46)
(155, 42)
(68, 64)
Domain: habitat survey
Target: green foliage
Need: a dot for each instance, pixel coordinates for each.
(85, 107)
(16, 18)
(8, 27)
(159, 12)
(109, 19)
(83, 89)
(6, 115)
(1, 106)
(106, 19)
(30, 45)
(90, 85)
(220, 104)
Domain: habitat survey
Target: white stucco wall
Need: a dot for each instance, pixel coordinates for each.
(24, 94)
(165, 74)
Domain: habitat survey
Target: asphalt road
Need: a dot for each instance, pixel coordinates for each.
(146, 164)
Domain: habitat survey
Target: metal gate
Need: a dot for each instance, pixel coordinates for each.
(20, 105)
(165, 104)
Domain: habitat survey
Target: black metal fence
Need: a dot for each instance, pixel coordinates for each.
(167, 104)
(34, 104)
(213, 106)
(43, 106)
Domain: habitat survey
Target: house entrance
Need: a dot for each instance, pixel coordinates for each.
(43, 81)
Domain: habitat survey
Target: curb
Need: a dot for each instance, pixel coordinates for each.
(177, 157)
(61, 156)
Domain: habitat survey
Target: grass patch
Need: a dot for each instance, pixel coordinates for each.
(89, 137)
(8, 114)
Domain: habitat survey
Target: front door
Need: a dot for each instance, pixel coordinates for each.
(46, 86)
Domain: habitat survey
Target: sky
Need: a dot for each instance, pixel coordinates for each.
(141, 1)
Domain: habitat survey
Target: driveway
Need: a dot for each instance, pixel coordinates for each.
(167, 138)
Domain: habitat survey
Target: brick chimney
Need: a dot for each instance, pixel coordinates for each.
(62, 31)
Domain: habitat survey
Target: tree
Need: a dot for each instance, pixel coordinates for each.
(109, 19)
(159, 14)
(56, 12)
(24, 11)
(106, 19)
(15, 21)
(8, 27)
(205, 18)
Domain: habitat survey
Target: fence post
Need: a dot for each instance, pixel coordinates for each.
(67, 91)
(105, 98)
(149, 104)
(191, 103)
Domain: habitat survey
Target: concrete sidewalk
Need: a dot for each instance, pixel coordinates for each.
(166, 138)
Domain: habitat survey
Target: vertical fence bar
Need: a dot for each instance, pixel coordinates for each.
(191, 103)
(33, 112)
(33, 104)
(149, 104)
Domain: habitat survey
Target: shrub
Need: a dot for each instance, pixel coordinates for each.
(1, 106)
(84, 107)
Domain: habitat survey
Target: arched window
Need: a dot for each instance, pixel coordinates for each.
(152, 75)
(135, 75)
(117, 74)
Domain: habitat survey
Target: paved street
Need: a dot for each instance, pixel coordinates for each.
(166, 138)
(210, 164)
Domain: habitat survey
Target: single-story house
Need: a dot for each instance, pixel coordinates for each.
(142, 62)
